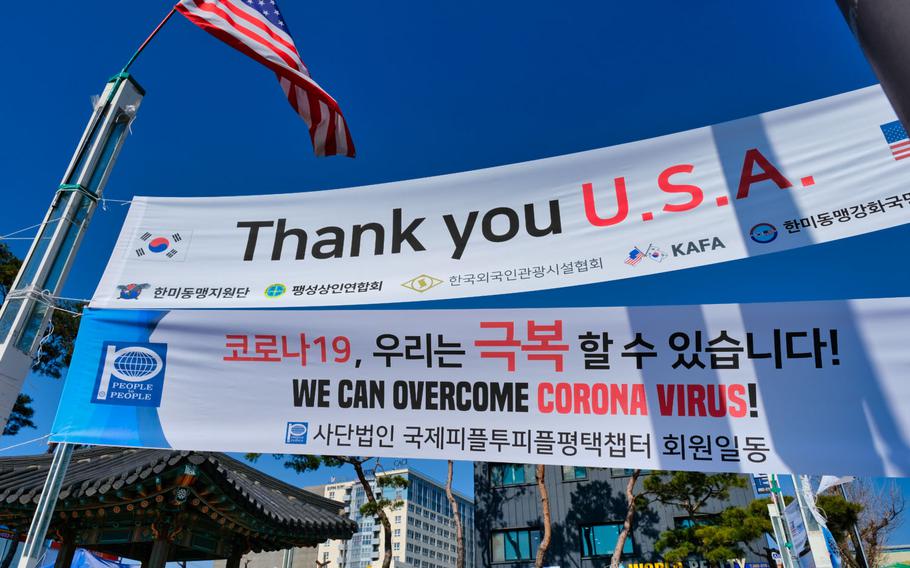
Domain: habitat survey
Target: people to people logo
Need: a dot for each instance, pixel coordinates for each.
(131, 374)
(296, 432)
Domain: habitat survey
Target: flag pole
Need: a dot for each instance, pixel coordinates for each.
(26, 309)
(149, 38)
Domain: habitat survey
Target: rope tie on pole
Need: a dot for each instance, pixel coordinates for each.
(45, 297)
(75, 187)
(48, 333)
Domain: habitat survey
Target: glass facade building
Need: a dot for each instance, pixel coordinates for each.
(587, 509)
(423, 528)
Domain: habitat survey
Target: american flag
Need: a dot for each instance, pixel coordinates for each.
(897, 139)
(257, 28)
(634, 257)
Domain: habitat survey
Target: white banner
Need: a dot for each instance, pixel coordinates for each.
(829, 481)
(812, 173)
(796, 526)
(809, 386)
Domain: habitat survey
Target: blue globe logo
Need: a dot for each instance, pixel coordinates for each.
(275, 290)
(763, 233)
(137, 364)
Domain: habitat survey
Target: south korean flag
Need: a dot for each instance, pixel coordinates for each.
(161, 245)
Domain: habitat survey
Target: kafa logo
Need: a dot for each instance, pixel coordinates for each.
(162, 245)
(131, 374)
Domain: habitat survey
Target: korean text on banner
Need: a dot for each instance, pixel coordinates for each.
(812, 173)
(809, 386)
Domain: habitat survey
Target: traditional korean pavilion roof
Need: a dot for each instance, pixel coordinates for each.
(208, 505)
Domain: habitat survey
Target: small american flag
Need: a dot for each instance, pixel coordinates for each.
(897, 139)
(635, 256)
(257, 28)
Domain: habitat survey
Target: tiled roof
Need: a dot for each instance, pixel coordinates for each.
(96, 471)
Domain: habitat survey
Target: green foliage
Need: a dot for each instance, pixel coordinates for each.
(711, 537)
(720, 537)
(841, 514)
(677, 544)
(691, 490)
(21, 416)
(56, 351)
(735, 529)
(381, 502)
(9, 266)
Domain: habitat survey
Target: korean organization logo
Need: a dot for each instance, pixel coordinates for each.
(763, 233)
(131, 291)
(421, 283)
(296, 432)
(275, 290)
(131, 374)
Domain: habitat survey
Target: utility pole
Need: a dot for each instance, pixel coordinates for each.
(817, 545)
(882, 28)
(29, 305)
(789, 556)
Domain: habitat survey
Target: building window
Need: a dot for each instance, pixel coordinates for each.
(600, 540)
(504, 474)
(520, 544)
(573, 473)
(397, 518)
(396, 546)
(701, 520)
(397, 532)
(620, 472)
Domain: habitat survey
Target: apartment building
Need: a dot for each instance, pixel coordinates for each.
(423, 527)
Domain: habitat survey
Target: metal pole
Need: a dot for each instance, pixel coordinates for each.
(37, 532)
(788, 555)
(856, 535)
(882, 28)
(288, 559)
(817, 545)
(149, 38)
(28, 307)
(780, 534)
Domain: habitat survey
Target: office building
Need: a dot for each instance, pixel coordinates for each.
(587, 508)
(423, 528)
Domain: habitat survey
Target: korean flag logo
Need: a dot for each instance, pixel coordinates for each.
(162, 245)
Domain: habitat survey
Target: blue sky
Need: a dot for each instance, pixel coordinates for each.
(429, 88)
